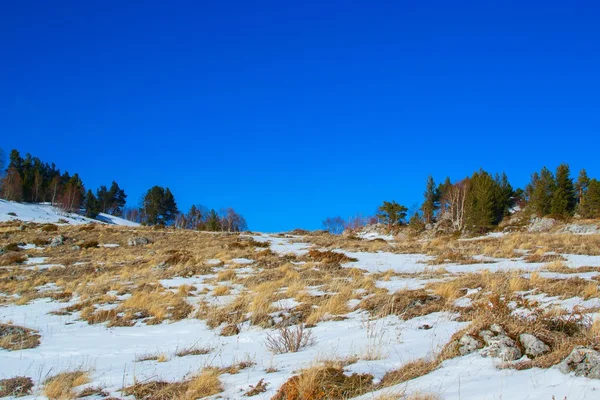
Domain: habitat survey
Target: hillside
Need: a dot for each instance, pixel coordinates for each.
(46, 213)
(161, 313)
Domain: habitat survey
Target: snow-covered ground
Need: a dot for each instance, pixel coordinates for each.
(110, 353)
(46, 213)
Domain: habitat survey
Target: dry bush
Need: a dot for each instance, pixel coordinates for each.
(290, 339)
(221, 290)
(16, 387)
(318, 383)
(329, 257)
(544, 258)
(205, 384)
(14, 337)
(92, 391)
(230, 330)
(226, 275)
(88, 244)
(12, 259)
(407, 304)
(49, 228)
(61, 386)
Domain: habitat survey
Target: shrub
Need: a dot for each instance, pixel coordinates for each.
(13, 337)
(290, 339)
(330, 257)
(17, 386)
(89, 244)
(61, 386)
(49, 228)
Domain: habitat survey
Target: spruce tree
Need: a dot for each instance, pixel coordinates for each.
(213, 223)
(92, 206)
(159, 206)
(590, 205)
(563, 199)
(541, 192)
(431, 203)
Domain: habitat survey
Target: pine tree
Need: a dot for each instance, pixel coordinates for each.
(159, 206)
(431, 203)
(563, 199)
(213, 223)
(581, 185)
(392, 213)
(92, 206)
(541, 192)
(590, 204)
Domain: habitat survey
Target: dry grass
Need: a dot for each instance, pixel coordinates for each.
(14, 337)
(410, 370)
(61, 386)
(329, 257)
(324, 383)
(290, 339)
(205, 384)
(193, 351)
(16, 387)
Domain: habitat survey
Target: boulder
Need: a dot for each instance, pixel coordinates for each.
(468, 344)
(533, 346)
(583, 361)
(500, 346)
(138, 241)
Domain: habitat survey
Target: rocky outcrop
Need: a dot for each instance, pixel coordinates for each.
(583, 361)
(498, 344)
(468, 344)
(57, 241)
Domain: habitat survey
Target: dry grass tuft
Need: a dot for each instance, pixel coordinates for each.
(329, 257)
(411, 370)
(205, 384)
(14, 337)
(16, 387)
(318, 383)
(12, 258)
(61, 386)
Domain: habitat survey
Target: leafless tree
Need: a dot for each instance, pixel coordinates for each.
(12, 187)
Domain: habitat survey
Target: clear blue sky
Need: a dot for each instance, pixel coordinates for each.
(294, 111)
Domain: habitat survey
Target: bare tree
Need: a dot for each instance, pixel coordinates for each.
(334, 225)
(12, 187)
(37, 186)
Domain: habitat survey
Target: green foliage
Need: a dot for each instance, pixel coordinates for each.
(590, 203)
(92, 206)
(392, 213)
(563, 199)
(540, 192)
(159, 207)
(581, 186)
(487, 201)
(431, 203)
(111, 200)
(213, 223)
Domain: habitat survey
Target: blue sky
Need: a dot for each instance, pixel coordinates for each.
(294, 111)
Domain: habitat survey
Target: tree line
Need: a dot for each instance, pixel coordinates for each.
(480, 202)
(28, 179)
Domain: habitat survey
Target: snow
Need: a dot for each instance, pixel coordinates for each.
(46, 213)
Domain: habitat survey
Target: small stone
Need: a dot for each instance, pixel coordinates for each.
(503, 347)
(487, 336)
(533, 346)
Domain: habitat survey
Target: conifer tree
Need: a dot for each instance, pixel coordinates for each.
(581, 185)
(590, 204)
(159, 206)
(431, 203)
(213, 223)
(541, 192)
(92, 207)
(563, 199)
(392, 213)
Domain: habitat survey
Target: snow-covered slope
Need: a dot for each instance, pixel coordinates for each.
(46, 213)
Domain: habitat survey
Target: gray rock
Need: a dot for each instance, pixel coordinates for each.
(75, 247)
(497, 329)
(501, 346)
(533, 346)
(57, 241)
(541, 224)
(582, 361)
(138, 241)
(468, 344)
(487, 336)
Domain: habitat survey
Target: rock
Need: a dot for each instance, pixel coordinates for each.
(468, 344)
(57, 241)
(541, 224)
(21, 227)
(497, 329)
(500, 346)
(582, 361)
(486, 336)
(533, 346)
(75, 247)
(425, 327)
(138, 241)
